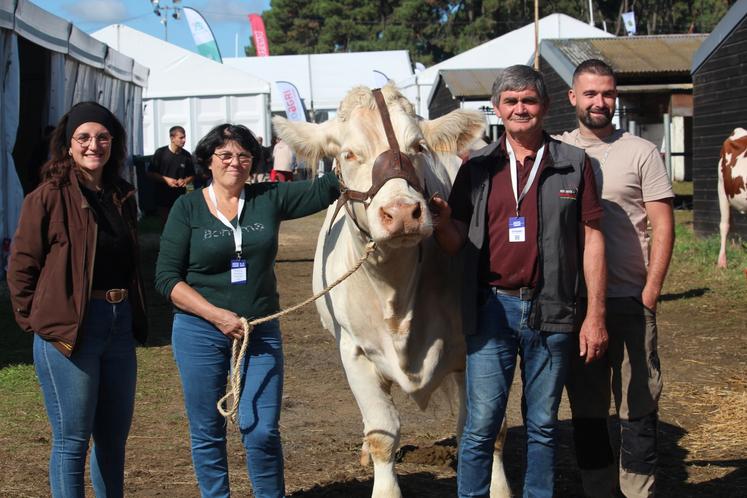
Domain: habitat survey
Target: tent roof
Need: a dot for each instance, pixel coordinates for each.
(325, 77)
(177, 72)
(7, 13)
(87, 49)
(58, 35)
(733, 18)
(41, 27)
(515, 47)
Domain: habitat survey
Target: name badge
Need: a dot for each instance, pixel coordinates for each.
(238, 271)
(517, 229)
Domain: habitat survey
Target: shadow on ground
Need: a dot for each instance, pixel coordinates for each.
(699, 292)
(672, 474)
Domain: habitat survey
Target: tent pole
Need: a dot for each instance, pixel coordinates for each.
(536, 35)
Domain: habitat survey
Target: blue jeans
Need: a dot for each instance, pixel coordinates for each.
(203, 357)
(502, 333)
(92, 393)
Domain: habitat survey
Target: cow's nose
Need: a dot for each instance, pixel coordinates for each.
(401, 217)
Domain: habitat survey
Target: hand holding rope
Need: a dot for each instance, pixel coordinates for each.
(239, 346)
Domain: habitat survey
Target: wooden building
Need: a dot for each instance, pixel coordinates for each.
(465, 89)
(719, 72)
(653, 82)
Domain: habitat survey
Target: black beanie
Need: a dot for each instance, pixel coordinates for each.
(88, 112)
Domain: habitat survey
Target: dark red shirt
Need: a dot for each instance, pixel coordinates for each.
(504, 264)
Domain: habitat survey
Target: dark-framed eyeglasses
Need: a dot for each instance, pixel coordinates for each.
(102, 139)
(227, 158)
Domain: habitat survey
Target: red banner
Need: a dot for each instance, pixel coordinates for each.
(259, 35)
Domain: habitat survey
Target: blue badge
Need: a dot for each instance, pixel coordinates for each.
(517, 229)
(238, 271)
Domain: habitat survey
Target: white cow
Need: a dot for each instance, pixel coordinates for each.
(396, 320)
(732, 183)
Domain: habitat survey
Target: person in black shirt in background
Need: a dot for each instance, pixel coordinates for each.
(172, 170)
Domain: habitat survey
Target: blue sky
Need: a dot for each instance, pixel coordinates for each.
(227, 18)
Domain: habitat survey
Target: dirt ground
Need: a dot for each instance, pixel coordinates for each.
(702, 346)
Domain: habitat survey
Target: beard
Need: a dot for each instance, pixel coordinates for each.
(595, 121)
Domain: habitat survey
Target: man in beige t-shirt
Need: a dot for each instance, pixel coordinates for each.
(635, 191)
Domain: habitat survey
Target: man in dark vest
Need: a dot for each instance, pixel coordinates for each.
(526, 214)
(172, 170)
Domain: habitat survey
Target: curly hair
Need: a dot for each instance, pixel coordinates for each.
(57, 168)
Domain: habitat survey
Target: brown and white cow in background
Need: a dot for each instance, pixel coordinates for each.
(732, 183)
(396, 320)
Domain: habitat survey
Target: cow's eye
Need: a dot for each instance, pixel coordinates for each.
(419, 147)
(349, 156)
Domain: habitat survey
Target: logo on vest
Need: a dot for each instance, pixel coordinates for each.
(569, 193)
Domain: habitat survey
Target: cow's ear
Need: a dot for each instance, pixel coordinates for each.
(310, 141)
(454, 132)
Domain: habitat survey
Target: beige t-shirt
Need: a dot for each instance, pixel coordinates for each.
(629, 172)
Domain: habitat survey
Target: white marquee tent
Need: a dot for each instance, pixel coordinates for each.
(47, 65)
(323, 80)
(187, 89)
(516, 47)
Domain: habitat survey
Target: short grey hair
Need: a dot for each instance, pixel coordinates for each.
(517, 78)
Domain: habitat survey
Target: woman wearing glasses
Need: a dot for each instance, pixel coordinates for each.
(74, 282)
(216, 264)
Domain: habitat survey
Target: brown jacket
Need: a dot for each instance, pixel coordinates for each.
(50, 270)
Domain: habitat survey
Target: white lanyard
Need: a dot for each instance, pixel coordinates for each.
(514, 172)
(237, 229)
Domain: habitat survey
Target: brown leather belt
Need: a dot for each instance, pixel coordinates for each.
(523, 293)
(113, 296)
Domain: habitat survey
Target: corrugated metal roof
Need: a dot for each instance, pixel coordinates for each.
(635, 54)
(469, 82)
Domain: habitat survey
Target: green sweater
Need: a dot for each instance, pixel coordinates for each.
(197, 248)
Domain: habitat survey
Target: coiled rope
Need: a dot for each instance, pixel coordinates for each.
(238, 346)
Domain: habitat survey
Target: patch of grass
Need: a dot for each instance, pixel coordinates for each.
(694, 262)
(16, 379)
(20, 402)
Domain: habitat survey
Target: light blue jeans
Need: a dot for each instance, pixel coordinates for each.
(502, 333)
(203, 356)
(92, 393)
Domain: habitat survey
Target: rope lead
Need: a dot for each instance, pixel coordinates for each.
(239, 346)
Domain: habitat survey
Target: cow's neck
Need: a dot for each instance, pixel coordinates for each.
(394, 274)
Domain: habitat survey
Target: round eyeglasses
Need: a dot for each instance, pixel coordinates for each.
(102, 139)
(227, 158)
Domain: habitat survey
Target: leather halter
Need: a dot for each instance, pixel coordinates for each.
(390, 164)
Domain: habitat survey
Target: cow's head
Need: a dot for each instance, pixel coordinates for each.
(395, 210)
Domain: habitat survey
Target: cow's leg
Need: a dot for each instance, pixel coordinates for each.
(723, 204)
(380, 418)
(462, 414)
(498, 483)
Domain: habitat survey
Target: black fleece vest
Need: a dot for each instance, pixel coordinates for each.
(560, 255)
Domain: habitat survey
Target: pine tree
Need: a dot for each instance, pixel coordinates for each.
(434, 30)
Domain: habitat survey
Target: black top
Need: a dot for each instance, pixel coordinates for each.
(263, 163)
(114, 264)
(178, 166)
